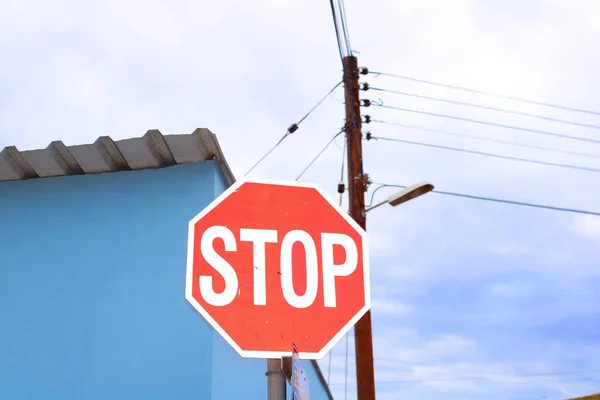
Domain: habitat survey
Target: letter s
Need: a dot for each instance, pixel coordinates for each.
(220, 265)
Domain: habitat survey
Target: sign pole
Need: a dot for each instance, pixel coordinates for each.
(276, 388)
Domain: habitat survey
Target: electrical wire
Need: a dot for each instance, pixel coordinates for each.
(267, 153)
(341, 31)
(503, 110)
(319, 154)
(344, 22)
(490, 377)
(408, 366)
(293, 128)
(530, 146)
(337, 145)
(512, 202)
(373, 194)
(483, 377)
(319, 103)
(405, 364)
(481, 153)
(538, 103)
(346, 371)
(337, 31)
(329, 368)
(518, 128)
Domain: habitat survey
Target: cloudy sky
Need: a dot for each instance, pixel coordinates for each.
(470, 298)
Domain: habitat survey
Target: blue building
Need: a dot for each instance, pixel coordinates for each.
(92, 274)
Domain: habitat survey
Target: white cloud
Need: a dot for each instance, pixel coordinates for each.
(587, 226)
(514, 289)
(509, 248)
(389, 306)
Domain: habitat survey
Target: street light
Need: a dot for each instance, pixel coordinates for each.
(405, 194)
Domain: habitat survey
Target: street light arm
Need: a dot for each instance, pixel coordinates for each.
(376, 205)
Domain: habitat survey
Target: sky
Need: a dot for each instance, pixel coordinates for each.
(471, 298)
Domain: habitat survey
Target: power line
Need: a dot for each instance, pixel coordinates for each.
(268, 152)
(481, 153)
(329, 368)
(503, 110)
(319, 102)
(346, 371)
(518, 203)
(483, 377)
(293, 128)
(341, 29)
(337, 30)
(342, 9)
(397, 364)
(530, 146)
(490, 377)
(518, 128)
(319, 154)
(375, 191)
(409, 365)
(487, 93)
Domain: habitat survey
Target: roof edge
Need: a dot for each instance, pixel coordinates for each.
(211, 143)
(150, 151)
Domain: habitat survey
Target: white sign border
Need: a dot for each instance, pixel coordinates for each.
(277, 354)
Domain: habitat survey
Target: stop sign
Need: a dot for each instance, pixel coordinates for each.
(271, 264)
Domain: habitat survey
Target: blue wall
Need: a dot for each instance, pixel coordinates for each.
(92, 273)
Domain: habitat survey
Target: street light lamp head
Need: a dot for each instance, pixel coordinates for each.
(404, 195)
(410, 193)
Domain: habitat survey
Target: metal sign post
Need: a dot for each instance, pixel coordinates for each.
(276, 388)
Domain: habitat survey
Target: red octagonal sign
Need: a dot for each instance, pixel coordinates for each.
(274, 263)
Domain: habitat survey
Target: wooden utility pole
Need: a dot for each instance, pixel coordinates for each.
(363, 339)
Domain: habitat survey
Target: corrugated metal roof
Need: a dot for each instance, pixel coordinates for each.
(590, 397)
(153, 150)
